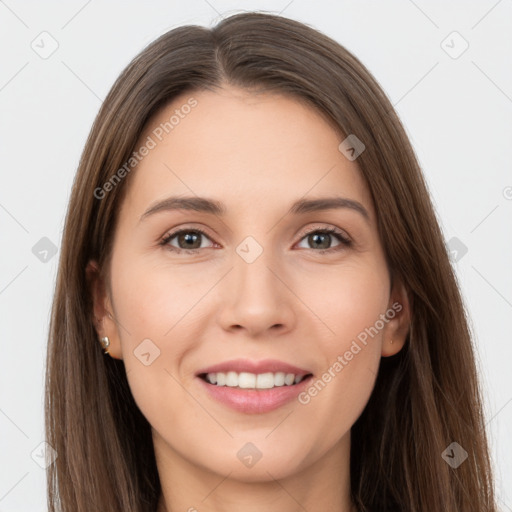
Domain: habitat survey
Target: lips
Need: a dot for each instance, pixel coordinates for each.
(253, 401)
(246, 365)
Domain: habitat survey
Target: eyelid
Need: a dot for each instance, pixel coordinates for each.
(330, 229)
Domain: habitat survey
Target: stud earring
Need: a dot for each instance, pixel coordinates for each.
(105, 343)
(391, 341)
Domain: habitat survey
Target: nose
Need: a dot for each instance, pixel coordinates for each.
(257, 299)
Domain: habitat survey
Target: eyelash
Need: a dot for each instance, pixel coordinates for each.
(342, 238)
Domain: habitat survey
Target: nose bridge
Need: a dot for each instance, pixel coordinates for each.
(256, 299)
(252, 275)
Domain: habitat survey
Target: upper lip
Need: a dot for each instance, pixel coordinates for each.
(246, 365)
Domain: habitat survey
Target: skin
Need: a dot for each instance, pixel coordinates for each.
(257, 154)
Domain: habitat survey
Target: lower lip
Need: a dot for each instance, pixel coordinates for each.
(255, 401)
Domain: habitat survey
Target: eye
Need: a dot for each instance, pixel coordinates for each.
(188, 240)
(321, 239)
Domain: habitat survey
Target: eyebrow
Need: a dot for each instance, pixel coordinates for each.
(205, 205)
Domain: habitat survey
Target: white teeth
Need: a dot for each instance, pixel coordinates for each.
(246, 380)
(265, 381)
(289, 379)
(279, 378)
(232, 379)
(221, 379)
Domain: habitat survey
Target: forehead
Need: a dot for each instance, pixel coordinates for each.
(246, 149)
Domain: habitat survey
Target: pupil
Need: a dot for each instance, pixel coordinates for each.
(190, 238)
(325, 236)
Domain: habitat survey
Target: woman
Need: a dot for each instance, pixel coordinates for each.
(251, 241)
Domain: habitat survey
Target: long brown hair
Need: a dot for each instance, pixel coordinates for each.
(426, 397)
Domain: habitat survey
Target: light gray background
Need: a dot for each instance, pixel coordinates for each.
(457, 112)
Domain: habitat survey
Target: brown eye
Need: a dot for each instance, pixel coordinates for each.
(186, 239)
(322, 239)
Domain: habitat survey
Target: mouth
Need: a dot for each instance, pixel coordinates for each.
(253, 387)
(250, 393)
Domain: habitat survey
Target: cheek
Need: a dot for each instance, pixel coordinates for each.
(350, 303)
(152, 300)
(347, 298)
(155, 331)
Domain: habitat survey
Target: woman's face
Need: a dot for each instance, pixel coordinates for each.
(264, 282)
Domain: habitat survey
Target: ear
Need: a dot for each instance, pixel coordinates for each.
(399, 315)
(103, 317)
